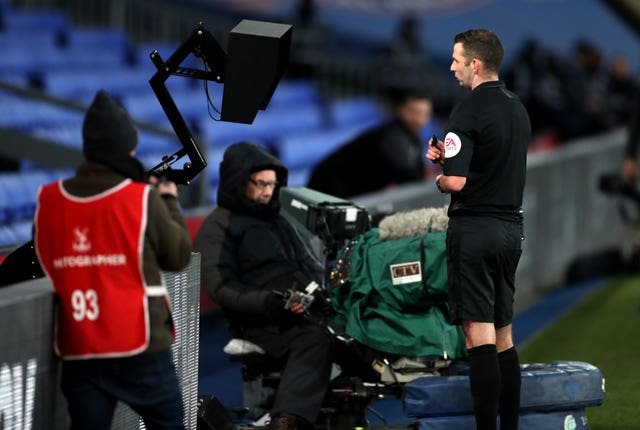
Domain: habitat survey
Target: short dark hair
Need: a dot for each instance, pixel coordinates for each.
(482, 44)
(397, 96)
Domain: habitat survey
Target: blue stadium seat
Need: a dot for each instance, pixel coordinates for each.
(434, 127)
(18, 195)
(295, 92)
(14, 79)
(214, 158)
(191, 102)
(150, 144)
(26, 114)
(13, 202)
(82, 84)
(108, 59)
(268, 126)
(7, 236)
(5, 204)
(26, 191)
(81, 39)
(31, 62)
(22, 230)
(306, 150)
(37, 61)
(299, 177)
(57, 174)
(35, 20)
(213, 195)
(31, 41)
(355, 110)
(145, 107)
(68, 135)
(219, 134)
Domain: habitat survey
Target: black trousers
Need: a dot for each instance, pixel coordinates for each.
(308, 352)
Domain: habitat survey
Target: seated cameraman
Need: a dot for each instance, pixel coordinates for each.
(249, 250)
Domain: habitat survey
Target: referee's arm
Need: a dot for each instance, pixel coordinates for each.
(446, 184)
(450, 184)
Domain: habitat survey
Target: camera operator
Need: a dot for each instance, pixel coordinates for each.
(249, 250)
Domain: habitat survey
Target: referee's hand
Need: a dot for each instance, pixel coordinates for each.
(435, 153)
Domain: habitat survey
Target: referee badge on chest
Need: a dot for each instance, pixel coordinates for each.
(452, 145)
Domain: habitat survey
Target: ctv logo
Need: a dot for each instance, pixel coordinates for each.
(17, 393)
(405, 273)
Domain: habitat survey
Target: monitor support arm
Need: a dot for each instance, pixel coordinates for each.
(202, 44)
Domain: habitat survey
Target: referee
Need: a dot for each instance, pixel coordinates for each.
(484, 165)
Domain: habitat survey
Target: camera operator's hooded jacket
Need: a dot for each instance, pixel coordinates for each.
(248, 249)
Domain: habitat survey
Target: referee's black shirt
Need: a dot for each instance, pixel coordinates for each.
(486, 142)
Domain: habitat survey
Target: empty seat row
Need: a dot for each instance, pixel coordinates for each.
(67, 38)
(71, 135)
(34, 21)
(36, 62)
(307, 149)
(15, 233)
(299, 125)
(81, 85)
(22, 113)
(18, 192)
(39, 40)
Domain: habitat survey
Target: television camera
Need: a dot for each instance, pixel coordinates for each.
(616, 185)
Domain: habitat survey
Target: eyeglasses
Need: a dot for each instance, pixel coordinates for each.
(261, 185)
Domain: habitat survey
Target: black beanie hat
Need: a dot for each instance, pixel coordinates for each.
(108, 132)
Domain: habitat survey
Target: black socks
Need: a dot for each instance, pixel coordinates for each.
(510, 389)
(484, 378)
(495, 380)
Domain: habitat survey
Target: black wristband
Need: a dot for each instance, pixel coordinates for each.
(438, 185)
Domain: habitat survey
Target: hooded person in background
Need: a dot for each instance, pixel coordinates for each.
(103, 237)
(248, 250)
(385, 155)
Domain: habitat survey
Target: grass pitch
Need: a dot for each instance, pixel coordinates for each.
(604, 330)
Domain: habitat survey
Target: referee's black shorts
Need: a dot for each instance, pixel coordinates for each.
(482, 257)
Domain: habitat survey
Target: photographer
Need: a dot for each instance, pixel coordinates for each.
(249, 250)
(103, 237)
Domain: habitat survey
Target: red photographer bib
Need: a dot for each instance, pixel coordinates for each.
(91, 249)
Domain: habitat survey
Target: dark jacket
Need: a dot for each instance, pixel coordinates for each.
(166, 244)
(388, 154)
(248, 249)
